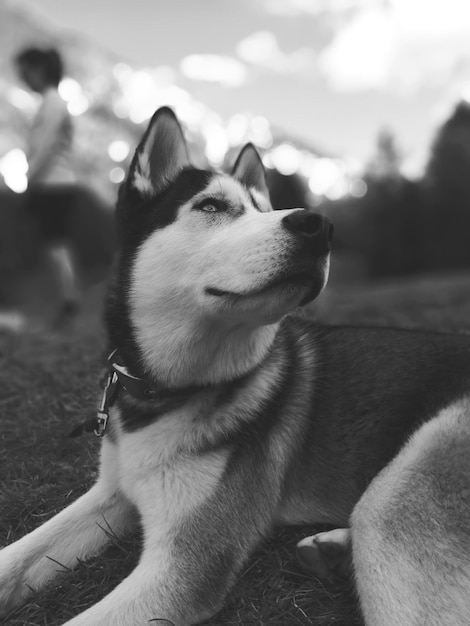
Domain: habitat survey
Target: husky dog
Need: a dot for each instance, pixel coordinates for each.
(230, 414)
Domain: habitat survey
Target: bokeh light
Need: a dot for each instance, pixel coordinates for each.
(118, 150)
(117, 175)
(14, 168)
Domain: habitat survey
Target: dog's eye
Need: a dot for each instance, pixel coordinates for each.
(208, 208)
(209, 205)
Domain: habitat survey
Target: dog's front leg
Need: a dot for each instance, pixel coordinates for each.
(151, 591)
(181, 579)
(77, 532)
(190, 558)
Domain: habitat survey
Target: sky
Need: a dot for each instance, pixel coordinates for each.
(333, 72)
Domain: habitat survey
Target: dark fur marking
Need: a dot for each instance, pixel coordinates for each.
(136, 221)
(136, 414)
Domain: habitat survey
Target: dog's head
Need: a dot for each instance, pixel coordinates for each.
(207, 245)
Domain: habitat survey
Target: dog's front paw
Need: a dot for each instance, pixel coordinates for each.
(15, 583)
(13, 593)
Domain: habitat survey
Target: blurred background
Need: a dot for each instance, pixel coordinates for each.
(360, 108)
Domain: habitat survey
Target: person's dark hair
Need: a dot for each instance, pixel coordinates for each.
(47, 59)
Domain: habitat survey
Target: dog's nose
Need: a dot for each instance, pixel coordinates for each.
(309, 224)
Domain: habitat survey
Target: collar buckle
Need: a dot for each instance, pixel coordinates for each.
(134, 386)
(101, 422)
(102, 415)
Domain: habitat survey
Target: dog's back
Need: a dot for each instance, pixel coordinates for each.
(367, 397)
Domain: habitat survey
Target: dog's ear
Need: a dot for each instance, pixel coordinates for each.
(249, 169)
(160, 156)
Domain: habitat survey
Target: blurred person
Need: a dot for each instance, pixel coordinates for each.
(51, 178)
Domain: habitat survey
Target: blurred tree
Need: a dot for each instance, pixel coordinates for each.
(449, 161)
(383, 226)
(391, 208)
(447, 187)
(401, 226)
(387, 159)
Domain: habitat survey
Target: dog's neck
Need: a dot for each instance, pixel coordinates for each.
(203, 352)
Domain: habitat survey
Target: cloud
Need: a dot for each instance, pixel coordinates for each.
(215, 68)
(401, 46)
(295, 8)
(390, 46)
(361, 54)
(262, 49)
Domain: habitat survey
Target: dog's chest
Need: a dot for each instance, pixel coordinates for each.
(160, 469)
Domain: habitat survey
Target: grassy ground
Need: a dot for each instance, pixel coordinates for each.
(49, 382)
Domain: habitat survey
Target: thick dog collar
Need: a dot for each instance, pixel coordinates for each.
(140, 389)
(119, 378)
(133, 385)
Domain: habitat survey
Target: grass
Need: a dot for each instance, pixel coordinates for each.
(49, 383)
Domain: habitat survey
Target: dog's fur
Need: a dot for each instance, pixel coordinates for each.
(290, 423)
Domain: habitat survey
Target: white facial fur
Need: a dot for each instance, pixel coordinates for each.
(238, 251)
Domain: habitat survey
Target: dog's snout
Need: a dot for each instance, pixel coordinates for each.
(309, 224)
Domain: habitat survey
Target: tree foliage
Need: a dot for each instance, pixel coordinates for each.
(401, 226)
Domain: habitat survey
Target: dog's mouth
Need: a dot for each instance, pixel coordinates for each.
(291, 282)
